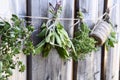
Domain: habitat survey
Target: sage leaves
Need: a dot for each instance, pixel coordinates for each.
(54, 36)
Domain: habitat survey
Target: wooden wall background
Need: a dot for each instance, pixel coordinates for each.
(94, 67)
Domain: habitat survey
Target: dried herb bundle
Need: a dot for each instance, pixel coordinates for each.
(82, 42)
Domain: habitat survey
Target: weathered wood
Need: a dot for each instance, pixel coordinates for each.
(52, 67)
(19, 8)
(7, 8)
(90, 68)
(4, 8)
(16, 74)
(112, 66)
(97, 55)
(100, 7)
(85, 67)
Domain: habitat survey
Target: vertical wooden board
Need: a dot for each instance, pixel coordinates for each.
(97, 65)
(39, 8)
(68, 12)
(90, 9)
(5, 9)
(100, 7)
(52, 67)
(112, 67)
(16, 74)
(90, 68)
(119, 41)
(85, 68)
(19, 8)
(97, 55)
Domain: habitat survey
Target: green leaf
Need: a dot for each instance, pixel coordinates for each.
(1, 65)
(43, 26)
(111, 43)
(61, 37)
(52, 38)
(7, 25)
(62, 52)
(1, 25)
(58, 40)
(80, 14)
(46, 50)
(43, 33)
(59, 26)
(30, 27)
(22, 68)
(48, 37)
(113, 34)
(40, 47)
(14, 16)
(9, 71)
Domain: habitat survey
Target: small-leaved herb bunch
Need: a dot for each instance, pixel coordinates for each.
(53, 35)
(14, 40)
(82, 42)
(111, 41)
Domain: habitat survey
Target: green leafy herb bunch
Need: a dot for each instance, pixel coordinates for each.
(83, 43)
(54, 35)
(14, 40)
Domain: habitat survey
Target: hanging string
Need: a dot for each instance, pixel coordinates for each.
(67, 19)
(35, 17)
(75, 23)
(108, 11)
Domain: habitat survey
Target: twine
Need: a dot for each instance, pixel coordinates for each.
(68, 19)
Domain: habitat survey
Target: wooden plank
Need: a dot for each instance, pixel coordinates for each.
(97, 55)
(112, 67)
(5, 8)
(19, 8)
(90, 68)
(119, 42)
(68, 12)
(16, 74)
(85, 67)
(52, 67)
(38, 63)
(100, 7)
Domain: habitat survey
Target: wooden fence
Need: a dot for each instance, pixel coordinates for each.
(100, 65)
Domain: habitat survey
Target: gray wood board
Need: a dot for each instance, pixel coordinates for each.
(112, 66)
(18, 8)
(90, 68)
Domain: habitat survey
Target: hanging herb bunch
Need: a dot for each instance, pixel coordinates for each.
(83, 43)
(14, 39)
(53, 35)
(111, 40)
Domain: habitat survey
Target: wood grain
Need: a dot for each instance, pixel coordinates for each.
(112, 66)
(19, 8)
(90, 68)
